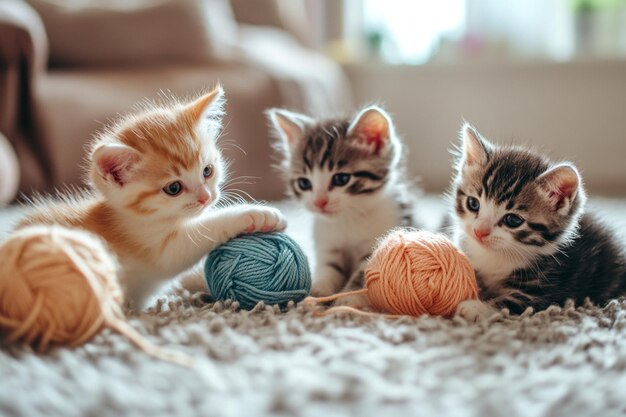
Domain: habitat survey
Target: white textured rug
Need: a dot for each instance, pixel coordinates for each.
(569, 362)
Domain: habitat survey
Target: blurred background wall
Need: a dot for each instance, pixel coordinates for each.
(550, 73)
(573, 111)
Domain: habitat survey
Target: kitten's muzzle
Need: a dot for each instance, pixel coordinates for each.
(482, 233)
(203, 197)
(321, 204)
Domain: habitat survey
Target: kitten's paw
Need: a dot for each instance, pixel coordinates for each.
(474, 310)
(262, 219)
(356, 301)
(193, 280)
(323, 287)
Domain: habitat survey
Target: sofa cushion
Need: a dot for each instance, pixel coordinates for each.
(89, 98)
(289, 15)
(137, 32)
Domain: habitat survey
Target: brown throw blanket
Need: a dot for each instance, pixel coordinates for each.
(23, 55)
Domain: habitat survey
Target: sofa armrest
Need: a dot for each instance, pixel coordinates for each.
(22, 33)
(23, 58)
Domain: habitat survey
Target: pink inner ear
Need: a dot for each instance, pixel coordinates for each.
(110, 168)
(561, 191)
(117, 167)
(377, 140)
(559, 195)
(374, 137)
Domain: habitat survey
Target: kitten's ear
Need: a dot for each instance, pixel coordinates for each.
(116, 164)
(475, 150)
(559, 186)
(373, 127)
(208, 106)
(289, 125)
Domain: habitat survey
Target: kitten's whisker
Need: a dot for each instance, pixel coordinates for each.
(233, 197)
(360, 211)
(197, 230)
(239, 183)
(230, 181)
(191, 238)
(236, 190)
(222, 202)
(204, 226)
(231, 200)
(526, 254)
(227, 162)
(224, 131)
(233, 145)
(241, 177)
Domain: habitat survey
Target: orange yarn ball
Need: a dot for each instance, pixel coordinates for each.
(57, 286)
(417, 272)
(60, 286)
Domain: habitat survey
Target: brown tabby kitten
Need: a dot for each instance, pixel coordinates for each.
(520, 219)
(349, 173)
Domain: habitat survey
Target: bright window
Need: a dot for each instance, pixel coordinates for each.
(410, 31)
(418, 31)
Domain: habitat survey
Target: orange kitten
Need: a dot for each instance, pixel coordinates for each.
(153, 175)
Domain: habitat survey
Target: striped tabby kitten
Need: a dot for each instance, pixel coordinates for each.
(348, 173)
(154, 177)
(520, 219)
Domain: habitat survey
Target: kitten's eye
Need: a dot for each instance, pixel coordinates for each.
(512, 220)
(208, 171)
(304, 184)
(173, 188)
(473, 204)
(340, 179)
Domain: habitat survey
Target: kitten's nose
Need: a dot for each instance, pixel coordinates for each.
(320, 203)
(204, 197)
(482, 233)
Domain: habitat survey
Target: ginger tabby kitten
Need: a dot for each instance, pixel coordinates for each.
(154, 176)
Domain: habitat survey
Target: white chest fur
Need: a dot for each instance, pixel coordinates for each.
(356, 233)
(491, 266)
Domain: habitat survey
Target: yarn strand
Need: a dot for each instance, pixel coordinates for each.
(313, 301)
(140, 341)
(334, 297)
(113, 316)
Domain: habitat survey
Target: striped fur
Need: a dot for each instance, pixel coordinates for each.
(375, 198)
(556, 253)
(155, 235)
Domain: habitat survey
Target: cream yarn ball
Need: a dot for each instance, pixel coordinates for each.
(57, 286)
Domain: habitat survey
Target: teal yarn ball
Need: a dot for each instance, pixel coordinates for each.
(269, 267)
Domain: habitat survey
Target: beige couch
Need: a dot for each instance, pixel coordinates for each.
(52, 101)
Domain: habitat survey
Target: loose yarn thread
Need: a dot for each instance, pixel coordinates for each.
(58, 286)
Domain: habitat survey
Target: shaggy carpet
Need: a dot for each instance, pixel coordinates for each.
(563, 361)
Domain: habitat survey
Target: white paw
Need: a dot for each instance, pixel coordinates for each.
(323, 286)
(262, 219)
(193, 279)
(474, 310)
(356, 301)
